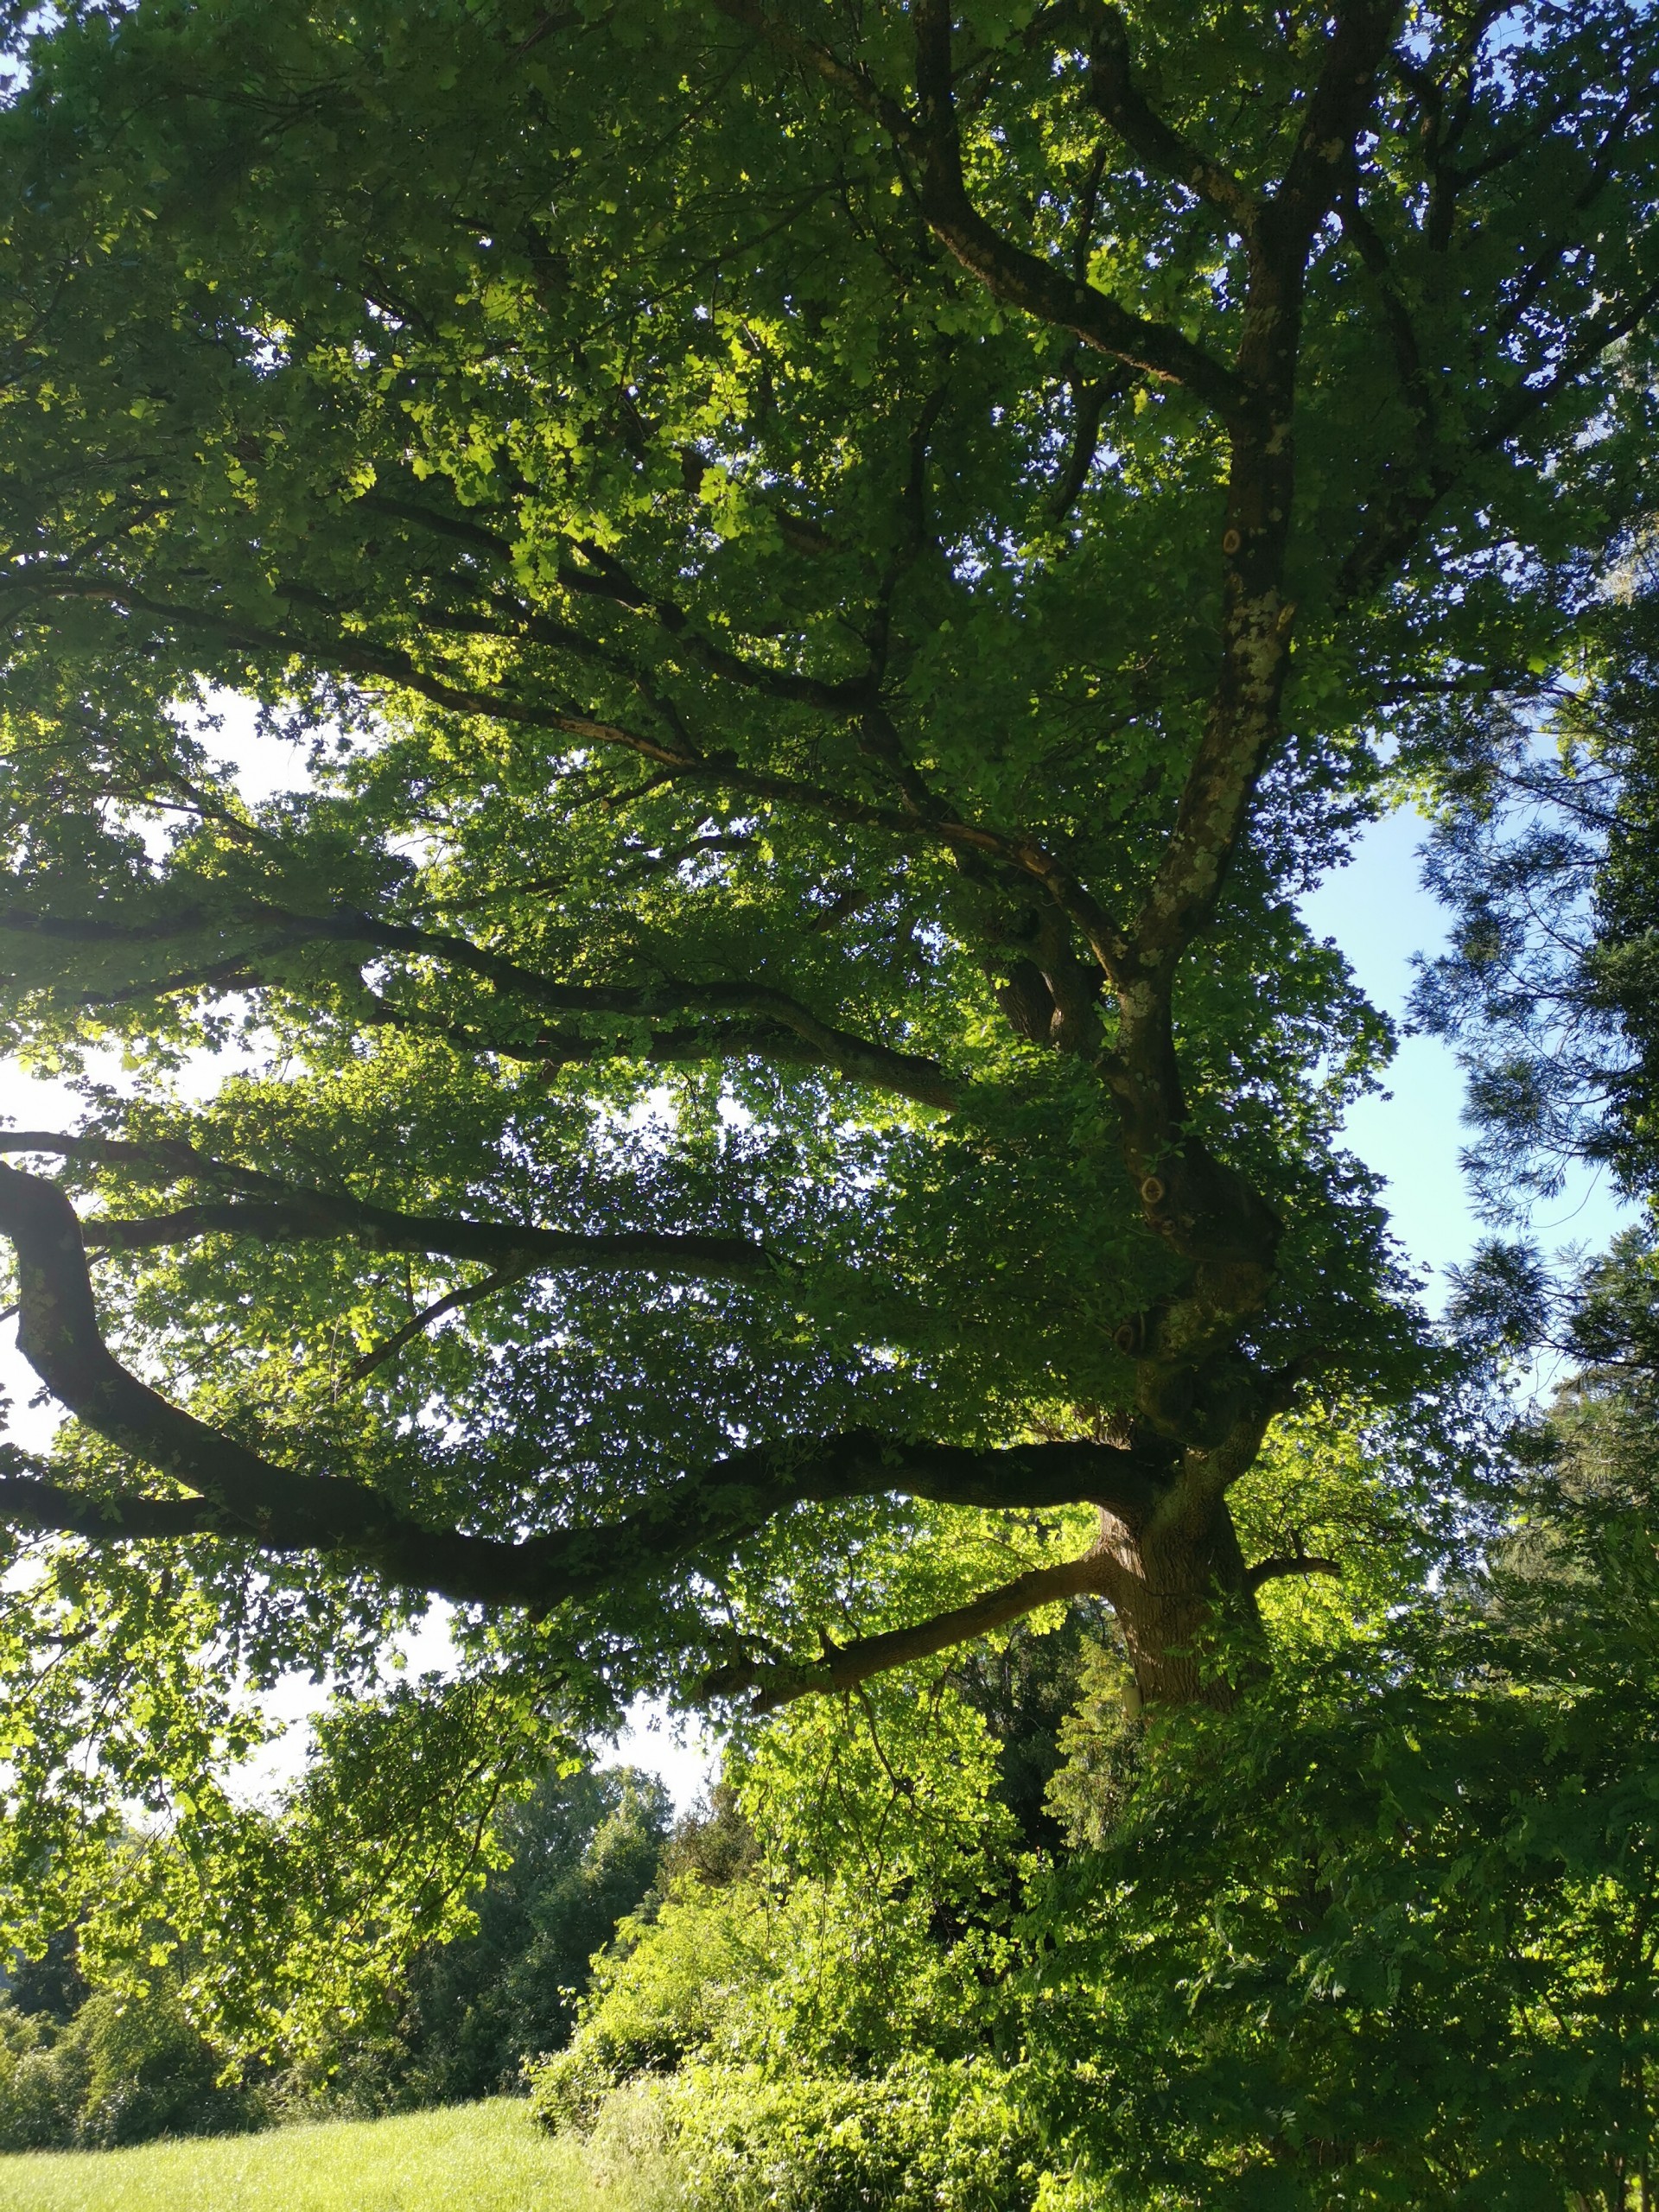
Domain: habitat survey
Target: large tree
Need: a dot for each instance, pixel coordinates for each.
(839, 569)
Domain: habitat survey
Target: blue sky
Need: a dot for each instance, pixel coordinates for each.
(1376, 911)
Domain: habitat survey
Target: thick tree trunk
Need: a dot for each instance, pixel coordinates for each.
(1182, 1595)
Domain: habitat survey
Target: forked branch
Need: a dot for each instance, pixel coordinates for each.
(1021, 279)
(282, 930)
(1116, 94)
(454, 1301)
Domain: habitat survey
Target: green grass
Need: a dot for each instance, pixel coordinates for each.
(487, 2157)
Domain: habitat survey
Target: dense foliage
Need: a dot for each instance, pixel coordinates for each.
(1543, 852)
(120, 2072)
(1388, 1935)
(669, 679)
(1385, 1933)
(582, 1853)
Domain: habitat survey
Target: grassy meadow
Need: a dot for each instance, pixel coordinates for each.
(481, 2158)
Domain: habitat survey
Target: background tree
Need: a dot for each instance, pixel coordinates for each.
(1542, 850)
(584, 1851)
(93, 2068)
(840, 570)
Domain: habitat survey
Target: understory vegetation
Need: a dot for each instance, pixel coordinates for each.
(98, 2069)
(1386, 1933)
(1385, 1937)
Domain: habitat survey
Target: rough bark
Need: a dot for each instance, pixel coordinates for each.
(1175, 1587)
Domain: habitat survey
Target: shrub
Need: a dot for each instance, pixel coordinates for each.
(148, 2072)
(42, 2083)
(923, 2137)
(669, 1989)
(123, 2071)
(1435, 1985)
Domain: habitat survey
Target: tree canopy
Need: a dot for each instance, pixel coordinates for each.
(760, 1107)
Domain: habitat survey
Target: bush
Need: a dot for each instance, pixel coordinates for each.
(791, 2033)
(123, 2071)
(1435, 1983)
(670, 1989)
(924, 2136)
(148, 2072)
(41, 2084)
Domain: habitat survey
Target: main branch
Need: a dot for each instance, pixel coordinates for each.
(1020, 278)
(842, 1666)
(282, 930)
(238, 1493)
(291, 1212)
